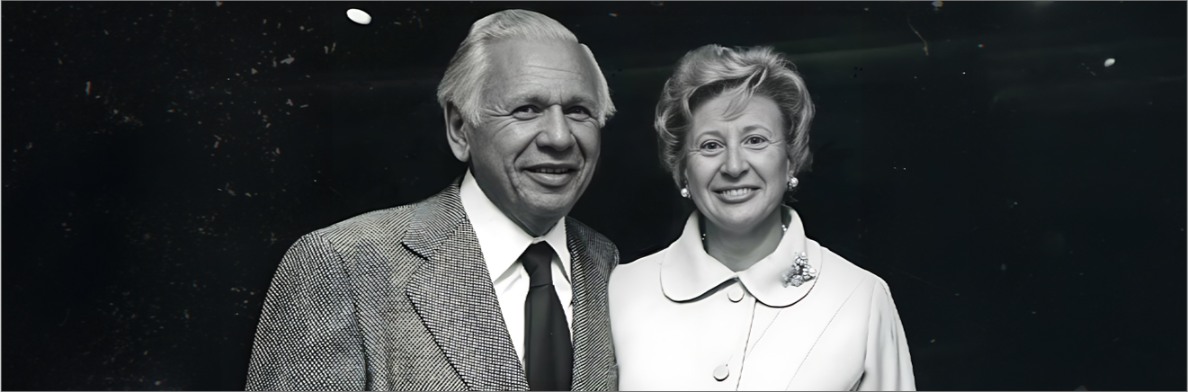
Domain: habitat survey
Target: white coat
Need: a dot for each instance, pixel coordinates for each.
(683, 321)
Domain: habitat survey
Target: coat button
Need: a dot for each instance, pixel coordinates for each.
(735, 293)
(721, 372)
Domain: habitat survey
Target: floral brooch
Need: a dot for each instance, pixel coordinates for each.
(800, 272)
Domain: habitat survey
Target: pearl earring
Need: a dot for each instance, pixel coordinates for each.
(685, 192)
(793, 182)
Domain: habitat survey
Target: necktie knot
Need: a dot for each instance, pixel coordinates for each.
(537, 261)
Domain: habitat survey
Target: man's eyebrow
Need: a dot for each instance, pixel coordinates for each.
(540, 99)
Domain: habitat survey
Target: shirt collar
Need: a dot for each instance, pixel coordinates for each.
(688, 272)
(501, 240)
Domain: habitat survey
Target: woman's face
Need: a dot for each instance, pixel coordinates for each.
(737, 168)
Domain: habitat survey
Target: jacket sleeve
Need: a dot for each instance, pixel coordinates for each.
(308, 337)
(888, 365)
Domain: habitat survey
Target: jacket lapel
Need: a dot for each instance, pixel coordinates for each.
(593, 355)
(453, 295)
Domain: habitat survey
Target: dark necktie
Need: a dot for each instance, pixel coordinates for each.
(548, 352)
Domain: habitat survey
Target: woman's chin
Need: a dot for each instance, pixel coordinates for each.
(737, 218)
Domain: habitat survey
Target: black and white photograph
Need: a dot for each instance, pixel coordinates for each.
(681, 196)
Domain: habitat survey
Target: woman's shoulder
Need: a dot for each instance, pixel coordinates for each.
(639, 273)
(642, 265)
(845, 272)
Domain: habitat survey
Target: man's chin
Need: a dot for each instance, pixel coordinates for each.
(547, 209)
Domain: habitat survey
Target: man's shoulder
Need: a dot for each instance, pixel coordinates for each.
(387, 225)
(596, 243)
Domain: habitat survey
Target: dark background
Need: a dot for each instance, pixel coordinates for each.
(1025, 202)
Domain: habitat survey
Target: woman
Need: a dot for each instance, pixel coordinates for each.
(743, 300)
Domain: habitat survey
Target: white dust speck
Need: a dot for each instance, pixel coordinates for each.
(218, 4)
(304, 105)
(289, 102)
(358, 16)
(88, 87)
(105, 32)
(288, 60)
(1002, 267)
(274, 62)
(936, 5)
(1110, 62)
(333, 45)
(614, 14)
(254, 71)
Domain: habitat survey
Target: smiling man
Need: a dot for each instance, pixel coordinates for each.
(486, 285)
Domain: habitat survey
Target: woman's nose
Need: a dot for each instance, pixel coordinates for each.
(735, 165)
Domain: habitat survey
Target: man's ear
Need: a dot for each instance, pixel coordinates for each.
(456, 134)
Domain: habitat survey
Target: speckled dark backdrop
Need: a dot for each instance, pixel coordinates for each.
(1025, 202)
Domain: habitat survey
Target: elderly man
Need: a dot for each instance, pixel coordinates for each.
(486, 285)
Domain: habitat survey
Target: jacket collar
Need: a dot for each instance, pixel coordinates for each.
(452, 293)
(688, 272)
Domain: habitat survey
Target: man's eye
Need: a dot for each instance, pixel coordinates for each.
(526, 112)
(578, 112)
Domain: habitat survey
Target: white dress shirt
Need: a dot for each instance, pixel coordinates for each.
(681, 320)
(502, 243)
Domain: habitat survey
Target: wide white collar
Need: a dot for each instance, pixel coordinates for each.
(688, 272)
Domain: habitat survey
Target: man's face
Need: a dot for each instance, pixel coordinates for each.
(535, 145)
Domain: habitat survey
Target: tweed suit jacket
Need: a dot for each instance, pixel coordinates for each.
(401, 299)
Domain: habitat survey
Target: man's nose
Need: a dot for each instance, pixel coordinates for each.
(736, 164)
(556, 133)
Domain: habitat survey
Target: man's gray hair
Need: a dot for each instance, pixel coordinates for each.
(712, 71)
(466, 75)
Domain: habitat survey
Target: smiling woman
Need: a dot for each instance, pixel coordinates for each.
(734, 289)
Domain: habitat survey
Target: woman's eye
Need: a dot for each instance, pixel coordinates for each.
(526, 111)
(755, 140)
(711, 146)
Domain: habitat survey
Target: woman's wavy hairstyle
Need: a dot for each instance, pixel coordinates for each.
(712, 71)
